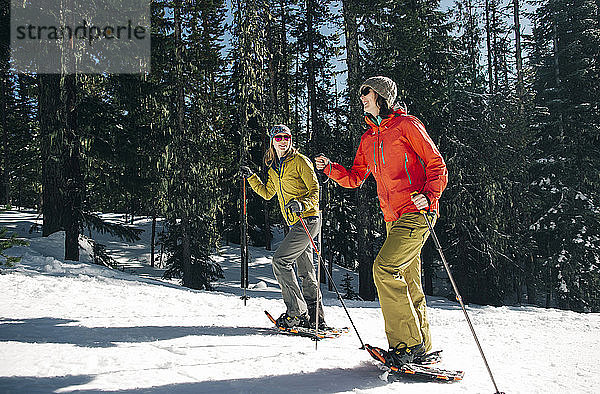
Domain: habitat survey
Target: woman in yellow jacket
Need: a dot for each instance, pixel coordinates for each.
(292, 177)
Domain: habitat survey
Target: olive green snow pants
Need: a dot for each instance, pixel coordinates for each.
(296, 248)
(397, 275)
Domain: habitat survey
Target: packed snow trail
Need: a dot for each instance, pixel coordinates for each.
(73, 326)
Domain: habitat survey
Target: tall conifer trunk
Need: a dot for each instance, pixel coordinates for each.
(518, 56)
(366, 287)
(4, 89)
(52, 202)
(153, 239)
(557, 77)
(5, 162)
(312, 84)
(488, 40)
(73, 186)
(186, 255)
(285, 78)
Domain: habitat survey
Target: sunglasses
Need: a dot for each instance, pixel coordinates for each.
(279, 137)
(365, 91)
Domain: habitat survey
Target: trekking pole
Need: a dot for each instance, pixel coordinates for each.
(331, 279)
(318, 292)
(318, 305)
(244, 245)
(438, 246)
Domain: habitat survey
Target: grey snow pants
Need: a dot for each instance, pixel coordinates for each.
(296, 248)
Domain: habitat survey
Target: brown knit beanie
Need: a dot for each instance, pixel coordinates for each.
(384, 86)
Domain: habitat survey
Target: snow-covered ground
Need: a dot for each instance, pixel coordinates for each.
(67, 326)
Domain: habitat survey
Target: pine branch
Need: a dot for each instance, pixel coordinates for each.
(95, 222)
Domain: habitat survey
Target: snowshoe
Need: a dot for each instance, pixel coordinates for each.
(413, 370)
(307, 332)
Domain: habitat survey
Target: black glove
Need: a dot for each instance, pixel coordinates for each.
(245, 171)
(293, 206)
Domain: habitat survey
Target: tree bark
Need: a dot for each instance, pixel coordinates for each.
(519, 57)
(312, 83)
(242, 17)
(366, 287)
(153, 240)
(285, 79)
(555, 52)
(73, 187)
(186, 256)
(488, 40)
(495, 44)
(51, 155)
(5, 141)
(5, 88)
(4, 98)
(132, 208)
(530, 282)
(472, 25)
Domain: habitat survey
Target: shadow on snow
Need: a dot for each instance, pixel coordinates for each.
(52, 330)
(329, 380)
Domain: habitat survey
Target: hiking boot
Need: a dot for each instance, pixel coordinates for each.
(287, 321)
(402, 354)
(322, 325)
(312, 310)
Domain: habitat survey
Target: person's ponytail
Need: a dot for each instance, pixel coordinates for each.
(384, 109)
(269, 156)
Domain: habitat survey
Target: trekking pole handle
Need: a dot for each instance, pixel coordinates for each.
(421, 210)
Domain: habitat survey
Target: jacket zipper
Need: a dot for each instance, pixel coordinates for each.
(406, 167)
(375, 153)
(282, 166)
(387, 192)
(280, 172)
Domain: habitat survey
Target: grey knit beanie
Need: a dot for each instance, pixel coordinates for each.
(385, 87)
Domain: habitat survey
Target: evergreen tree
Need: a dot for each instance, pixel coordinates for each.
(408, 42)
(7, 242)
(20, 144)
(356, 254)
(249, 92)
(5, 89)
(314, 77)
(486, 149)
(565, 172)
(192, 166)
(347, 287)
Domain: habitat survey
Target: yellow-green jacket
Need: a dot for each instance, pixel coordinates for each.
(294, 178)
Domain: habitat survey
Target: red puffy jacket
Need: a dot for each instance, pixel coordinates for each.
(402, 158)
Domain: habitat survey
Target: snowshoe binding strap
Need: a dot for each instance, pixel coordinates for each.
(376, 352)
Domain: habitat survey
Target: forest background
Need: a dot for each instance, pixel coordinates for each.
(509, 91)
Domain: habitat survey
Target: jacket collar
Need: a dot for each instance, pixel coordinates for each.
(374, 122)
(278, 162)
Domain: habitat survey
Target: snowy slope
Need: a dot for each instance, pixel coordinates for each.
(67, 326)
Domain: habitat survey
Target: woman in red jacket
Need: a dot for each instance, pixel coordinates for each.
(411, 175)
